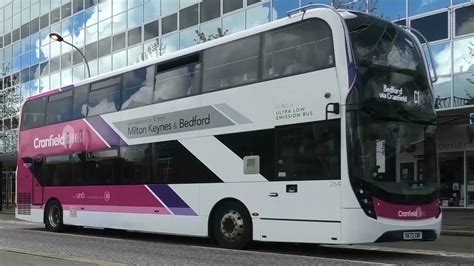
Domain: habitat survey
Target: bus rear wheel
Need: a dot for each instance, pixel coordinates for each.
(54, 217)
(232, 226)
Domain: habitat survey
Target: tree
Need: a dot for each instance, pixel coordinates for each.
(359, 5)
(202, 37)
(5, 69)
(156, 49)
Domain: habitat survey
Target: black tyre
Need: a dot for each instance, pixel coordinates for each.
(232, 226)
(54, 217)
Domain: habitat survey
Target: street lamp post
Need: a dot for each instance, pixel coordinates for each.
(58, 38)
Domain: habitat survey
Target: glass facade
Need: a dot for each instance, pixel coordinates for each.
(114, 34)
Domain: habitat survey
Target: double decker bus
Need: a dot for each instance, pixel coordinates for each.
(316, 128)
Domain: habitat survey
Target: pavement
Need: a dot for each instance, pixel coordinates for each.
(458, 222)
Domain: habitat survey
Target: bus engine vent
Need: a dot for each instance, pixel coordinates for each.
(24, 203)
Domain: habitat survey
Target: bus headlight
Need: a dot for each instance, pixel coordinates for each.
(364, 196)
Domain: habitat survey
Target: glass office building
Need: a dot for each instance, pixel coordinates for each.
(114, 34)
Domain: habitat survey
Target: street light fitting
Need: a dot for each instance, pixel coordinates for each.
(56, 37)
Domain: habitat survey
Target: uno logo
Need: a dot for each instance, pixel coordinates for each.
(106, 196)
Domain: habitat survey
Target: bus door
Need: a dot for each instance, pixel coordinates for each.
(306, 184)
(35, 173)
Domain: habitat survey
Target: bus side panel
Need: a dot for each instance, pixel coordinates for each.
(315, 207)
(298, 231)
(156, 208)
(153, 223)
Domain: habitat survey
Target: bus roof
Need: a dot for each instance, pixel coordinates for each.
(305, 14)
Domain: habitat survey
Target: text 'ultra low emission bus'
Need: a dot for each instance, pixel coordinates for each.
(317, 128)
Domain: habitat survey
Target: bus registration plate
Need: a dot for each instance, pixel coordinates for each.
(412, 235)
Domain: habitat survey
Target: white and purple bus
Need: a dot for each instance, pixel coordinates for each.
(317, 128)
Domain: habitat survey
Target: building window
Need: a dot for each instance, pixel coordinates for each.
(169, 6)
(169, 24)
(434, 27)
(388, 9)
(105, 46)
(134, 36)
(55, 16)
(463, 55)
(77, 5)
(442, 91)
(251, 2)
(442, 58)
(465, 20)
(151, 30)
(91, 51)
(118, 42)
(188, 17)
(231, 5)
(451, 171)
(281, 7)
(210, 9)
(463, 89)
(258, 15)
(416, 7)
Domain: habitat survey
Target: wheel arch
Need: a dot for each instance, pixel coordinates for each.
(220, 203)
(46, 205)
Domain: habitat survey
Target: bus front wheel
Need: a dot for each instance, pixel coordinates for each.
(54, 217)
(232, 226)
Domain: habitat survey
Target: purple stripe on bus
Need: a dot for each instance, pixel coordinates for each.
(106, 132)
(172, 200)
(183, 211)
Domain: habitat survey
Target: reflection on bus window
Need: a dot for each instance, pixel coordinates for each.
(309, 151)
(178, 82)
(135, 164)
(79, 106)
(103, 167)
(229, 65)
(105, 97)
(58, 170)
(59, 108)
(297, 49)
(33, 113)
(138, 87)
